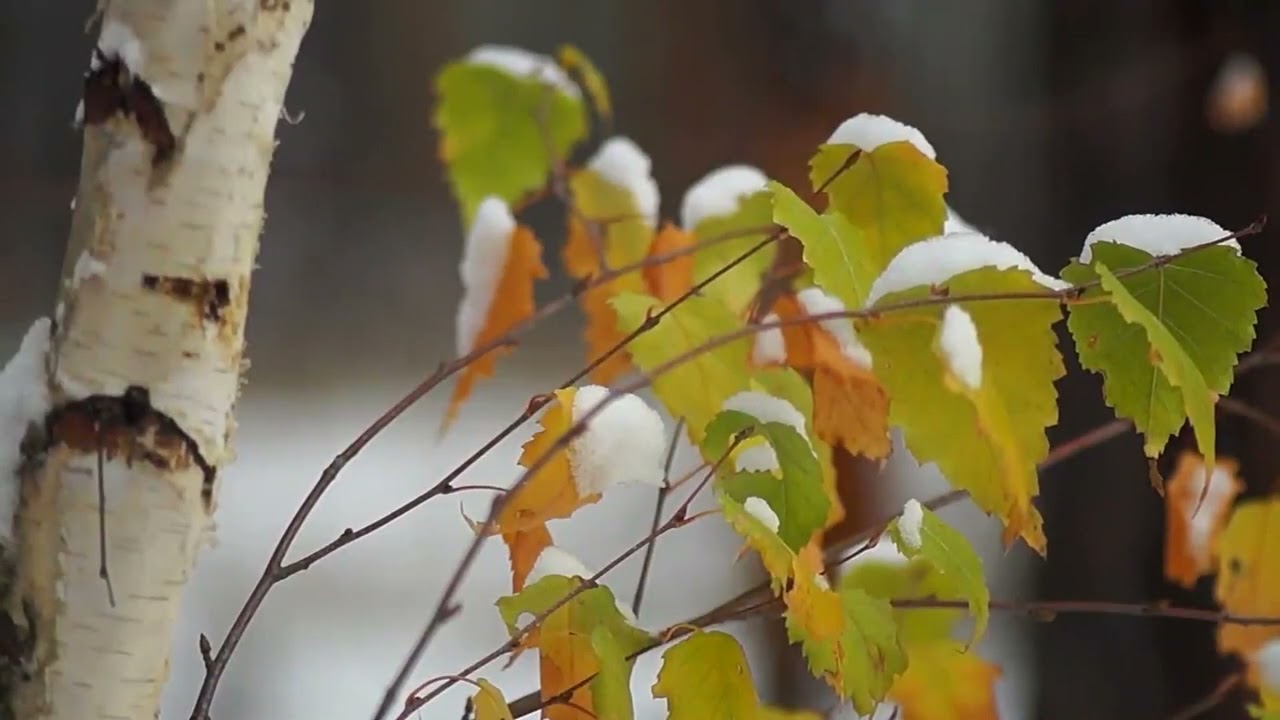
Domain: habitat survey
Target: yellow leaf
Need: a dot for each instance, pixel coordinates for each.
(892, 194)
(620, 239)
(551, 492)
(706, 677)
(489, 703)
(1249, 578)
(695, 390)
(524, 546)
(851, 408)
(574, 60)
(943, 682)
(512, 303)
(670, 279)
(1191, 536)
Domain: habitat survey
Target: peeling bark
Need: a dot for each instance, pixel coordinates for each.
(180, 109)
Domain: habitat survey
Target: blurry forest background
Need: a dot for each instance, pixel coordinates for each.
(1051, 117)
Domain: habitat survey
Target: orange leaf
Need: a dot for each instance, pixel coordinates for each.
(524, 547)
(511, 303)
(582, 261)
(943, 682)
(670, 279)
(551, 492)
(851, 408)
(1191, 537)
(1249, 578)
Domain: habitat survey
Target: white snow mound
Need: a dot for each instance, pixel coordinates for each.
(623, 444)
(1200, 524)
(941, 258)
(1268, 658)
(816, 302)
(719, 192)
(958, 340)
(484, 257)
(760, 510)
(956, 224)
(620, 161)
(910, 524)
(770, 346)
(1156, 234)
(868, 132)
(522, 64)
(24, 400)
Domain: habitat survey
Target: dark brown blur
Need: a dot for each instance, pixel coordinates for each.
(1051, 117)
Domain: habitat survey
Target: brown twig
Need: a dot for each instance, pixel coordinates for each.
(1215, 698)
(663, 491)
(1249, 412)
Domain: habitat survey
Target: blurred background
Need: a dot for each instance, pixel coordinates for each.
(1051, 117)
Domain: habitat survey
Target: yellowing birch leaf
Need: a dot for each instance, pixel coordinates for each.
(672, 278)
(1191, 534)
(488, 108)
(574, 60)
(706, 677)
(1248, 580)
(489, 703)
(833, 247)
(969, 433)
(493, 305)
(943, 681)
(851, 407)
(585, 637)
(524, 546)
(893, 194)
(608, 230)
(918, 532)
(719, 209)
(697, 389)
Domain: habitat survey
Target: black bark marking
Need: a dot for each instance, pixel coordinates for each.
(209, 297)
(128, 426)
(111, 88)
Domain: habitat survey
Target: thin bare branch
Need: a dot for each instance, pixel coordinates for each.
(663, 491)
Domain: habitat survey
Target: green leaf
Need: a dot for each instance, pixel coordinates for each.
(893, 195)
(973, 435)
(737, 287)
(833, 247)
(694, 390)
(611, 688)
(786, 384)
(907, 580)
(952, 554)
(797, 497)
(627, 235)
(489, 702)
(1205, 303)
(774, 554)
(585, 637)
(706, 677)
(491, 142)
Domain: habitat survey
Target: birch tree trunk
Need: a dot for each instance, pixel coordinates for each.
(180, 110)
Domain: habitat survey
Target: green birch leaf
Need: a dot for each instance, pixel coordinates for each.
(833, 247)
(950, 552)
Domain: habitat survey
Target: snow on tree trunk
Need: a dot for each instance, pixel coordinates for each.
(180, 109)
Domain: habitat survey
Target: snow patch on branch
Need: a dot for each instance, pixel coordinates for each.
(484, 257)
(621, 161)
(522, 64)
(760, 510)
(941, 258)
(770, 346)
(623, 444)
(24, 401)
(1157, 234)
(555, 561)
(719, 193)
(816, 302)
(958, 340)
(759, 455)
(910, 524)
(868, 132)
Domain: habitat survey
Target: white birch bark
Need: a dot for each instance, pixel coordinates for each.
(157, 286)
